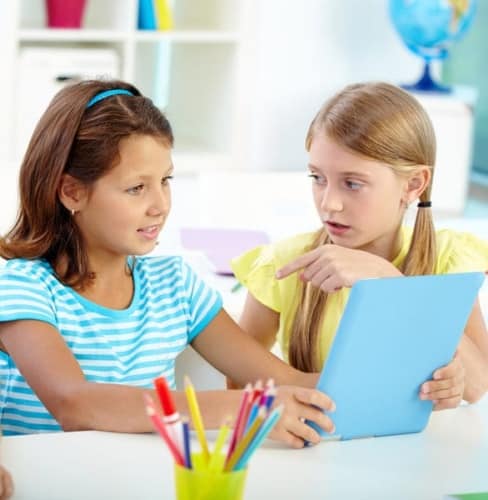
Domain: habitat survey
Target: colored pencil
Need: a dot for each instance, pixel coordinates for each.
(246, 395)
(260, 436)
(270, 397)
(244, 442)
(162, 430)
(196, 416)
(213, 464)
(171, 417)
(255, 394)
(252, 414)
(185, 425)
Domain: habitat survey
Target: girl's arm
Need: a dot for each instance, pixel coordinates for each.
(473, 351)
(466, 376)
(51, 370)
(259, 322)
(239, 356)
(6, 484)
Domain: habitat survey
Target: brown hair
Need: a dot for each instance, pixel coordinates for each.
(381, 122)
(84, 143)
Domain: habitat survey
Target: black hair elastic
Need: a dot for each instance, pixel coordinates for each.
(424, 204)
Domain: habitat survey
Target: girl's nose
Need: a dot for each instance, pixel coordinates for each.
(331, 201)
(160, 203)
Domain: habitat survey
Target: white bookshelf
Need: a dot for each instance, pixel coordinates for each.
(191, 72)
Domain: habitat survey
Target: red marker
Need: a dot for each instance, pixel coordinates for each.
(171, 416)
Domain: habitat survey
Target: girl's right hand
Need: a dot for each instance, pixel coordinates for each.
(301, 404)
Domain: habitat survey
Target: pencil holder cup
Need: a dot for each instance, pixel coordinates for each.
(202, 482)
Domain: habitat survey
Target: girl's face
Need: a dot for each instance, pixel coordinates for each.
(360, 202)
(126, 209)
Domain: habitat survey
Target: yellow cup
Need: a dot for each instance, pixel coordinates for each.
(202, 483)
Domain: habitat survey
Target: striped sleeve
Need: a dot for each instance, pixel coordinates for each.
(24, 297)
(204, 302)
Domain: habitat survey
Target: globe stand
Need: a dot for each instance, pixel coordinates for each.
(427, 84)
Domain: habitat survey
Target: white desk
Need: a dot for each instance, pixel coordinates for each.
(451, 455)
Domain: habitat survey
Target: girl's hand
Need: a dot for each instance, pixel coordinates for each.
(301, 404)
(6, 484)
(332, 267)
(447, 387)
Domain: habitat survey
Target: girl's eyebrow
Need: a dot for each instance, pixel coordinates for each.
(347, 173)
(353, 173)
(145, 177)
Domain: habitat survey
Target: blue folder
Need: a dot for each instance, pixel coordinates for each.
(394, 333)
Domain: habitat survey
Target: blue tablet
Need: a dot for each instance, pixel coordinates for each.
(394, 333)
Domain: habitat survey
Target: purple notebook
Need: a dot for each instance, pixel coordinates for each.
(221, 245)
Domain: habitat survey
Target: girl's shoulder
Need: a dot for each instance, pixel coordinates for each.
(159, 263)
(460, 252)
(278, 253)
(38, 270)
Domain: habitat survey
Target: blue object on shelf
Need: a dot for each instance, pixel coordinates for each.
(146, 19)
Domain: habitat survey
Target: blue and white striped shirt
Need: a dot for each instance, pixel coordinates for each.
(170, 307)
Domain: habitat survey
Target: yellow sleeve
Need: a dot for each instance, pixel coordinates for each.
(461, 252)
(256, 270)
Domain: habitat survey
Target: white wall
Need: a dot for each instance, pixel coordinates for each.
(7, 11)
(299, 53)
(306, 51)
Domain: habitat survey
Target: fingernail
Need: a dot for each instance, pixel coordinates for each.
(278, 274)
(332, 407)
(437, 376)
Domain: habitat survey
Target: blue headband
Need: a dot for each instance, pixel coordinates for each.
(107, 93)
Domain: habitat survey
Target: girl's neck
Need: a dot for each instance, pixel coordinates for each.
(112, 288)
(112, 284)
(388, 247)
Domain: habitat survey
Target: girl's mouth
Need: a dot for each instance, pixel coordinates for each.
(336, 228)
(149, 232)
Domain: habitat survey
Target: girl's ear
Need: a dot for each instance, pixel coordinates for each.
(417, 183)
(72, 193)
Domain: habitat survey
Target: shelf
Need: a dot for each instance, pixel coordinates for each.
(192, 71)
(190, 36)
(71, 35)
(85, 35)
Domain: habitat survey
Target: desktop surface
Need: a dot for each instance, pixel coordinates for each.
(449, 456)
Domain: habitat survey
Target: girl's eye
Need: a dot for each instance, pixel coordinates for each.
(136, 189)
(318, 179)
(165, 180)
(353, 185)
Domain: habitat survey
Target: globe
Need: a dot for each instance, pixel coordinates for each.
(429, 28)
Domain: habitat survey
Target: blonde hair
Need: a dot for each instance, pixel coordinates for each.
(381, 122)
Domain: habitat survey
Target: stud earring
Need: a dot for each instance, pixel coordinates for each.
(73, 211)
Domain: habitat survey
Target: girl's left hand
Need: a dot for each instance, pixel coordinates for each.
(447, 387)
(6, 484)
(331, 267)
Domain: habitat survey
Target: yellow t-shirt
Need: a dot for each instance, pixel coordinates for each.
(255, 269)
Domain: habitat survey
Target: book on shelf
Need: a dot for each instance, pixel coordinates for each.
(155, 15)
